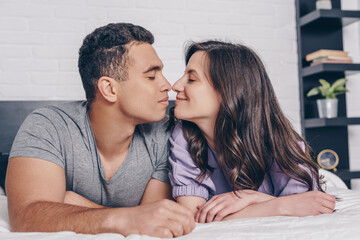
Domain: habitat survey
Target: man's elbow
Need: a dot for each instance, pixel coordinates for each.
(21, 218)
(18, 224)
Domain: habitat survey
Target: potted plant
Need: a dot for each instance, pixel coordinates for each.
(328, 107)
(323, 4)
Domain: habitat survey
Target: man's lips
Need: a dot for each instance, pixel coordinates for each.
(165, 101)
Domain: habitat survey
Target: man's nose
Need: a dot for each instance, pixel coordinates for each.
(166, 86)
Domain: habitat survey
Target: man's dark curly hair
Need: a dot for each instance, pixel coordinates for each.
(104, 53)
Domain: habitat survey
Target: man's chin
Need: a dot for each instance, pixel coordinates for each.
(156, 118)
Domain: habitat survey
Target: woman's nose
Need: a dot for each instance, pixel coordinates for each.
(178, 86)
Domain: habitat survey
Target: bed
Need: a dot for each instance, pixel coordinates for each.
(342, 224)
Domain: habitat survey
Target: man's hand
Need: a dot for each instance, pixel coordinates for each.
(306, 204)
(164, 218)
(225, 204)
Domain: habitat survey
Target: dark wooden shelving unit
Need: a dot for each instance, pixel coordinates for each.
(347, 175)
(330, 122)
(322, 29)
(331, 18)
(331, 67)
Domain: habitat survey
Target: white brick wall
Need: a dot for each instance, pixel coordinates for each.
(39, 40)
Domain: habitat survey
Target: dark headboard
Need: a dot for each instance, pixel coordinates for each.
(12, 114)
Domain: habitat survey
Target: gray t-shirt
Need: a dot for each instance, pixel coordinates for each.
(62, 134)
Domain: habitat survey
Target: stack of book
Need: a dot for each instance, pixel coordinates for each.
(328, 56)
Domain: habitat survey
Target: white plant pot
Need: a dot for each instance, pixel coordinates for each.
(323, 4)
(327, 108)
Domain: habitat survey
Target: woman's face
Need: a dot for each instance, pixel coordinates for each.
(196, 98)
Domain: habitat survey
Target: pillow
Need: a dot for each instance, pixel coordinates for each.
(3, 166)
(331, 180)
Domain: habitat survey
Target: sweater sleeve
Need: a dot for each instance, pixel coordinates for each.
(284, 185)
(184, 170)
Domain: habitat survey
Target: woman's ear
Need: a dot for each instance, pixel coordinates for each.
(107, 88)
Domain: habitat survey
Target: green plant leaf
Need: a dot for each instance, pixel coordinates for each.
(323, 91)
(338, 83)
(325, 83)
(330, 96)
(341, 89)
(313, 92)
(338, 93)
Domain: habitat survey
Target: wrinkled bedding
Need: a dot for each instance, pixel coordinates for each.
(343, 224)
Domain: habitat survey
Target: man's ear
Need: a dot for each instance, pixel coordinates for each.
(107, 88)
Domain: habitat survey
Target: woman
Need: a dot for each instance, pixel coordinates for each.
(234, 153)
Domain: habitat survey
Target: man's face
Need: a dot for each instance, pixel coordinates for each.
(143, 96)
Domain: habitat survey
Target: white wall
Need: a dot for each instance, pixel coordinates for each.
(39, 41)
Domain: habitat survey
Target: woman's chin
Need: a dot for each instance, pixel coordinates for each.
(180, 114)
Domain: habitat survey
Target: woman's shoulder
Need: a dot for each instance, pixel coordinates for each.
(177, 132)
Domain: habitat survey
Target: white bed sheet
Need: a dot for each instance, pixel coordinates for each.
(343, 224)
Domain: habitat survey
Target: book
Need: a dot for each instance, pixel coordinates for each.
(332, 58)
(330, 61)
(324, 53)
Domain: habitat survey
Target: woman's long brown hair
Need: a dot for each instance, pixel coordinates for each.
(251, 130)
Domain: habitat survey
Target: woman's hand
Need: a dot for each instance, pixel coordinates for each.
(306, 204)
(225, 204)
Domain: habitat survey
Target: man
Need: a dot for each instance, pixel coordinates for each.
(101, 165)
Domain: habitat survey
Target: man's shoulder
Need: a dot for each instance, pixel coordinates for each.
(72, 109)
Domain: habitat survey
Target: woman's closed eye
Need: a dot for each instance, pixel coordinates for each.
(151, 77)
(191, 80)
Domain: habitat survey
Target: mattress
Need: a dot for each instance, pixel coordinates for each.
(342, 224)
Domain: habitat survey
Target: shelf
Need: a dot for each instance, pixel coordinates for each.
(323, 29)
(330, 122)
(331, 67)
(346, 175)
(332, 18)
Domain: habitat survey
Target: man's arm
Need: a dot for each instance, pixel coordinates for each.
(156, 190)
(76, 199)
(36, 191)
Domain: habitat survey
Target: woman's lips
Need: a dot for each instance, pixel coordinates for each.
(179, 99)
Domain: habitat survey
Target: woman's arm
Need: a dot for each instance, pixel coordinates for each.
(184, 172)
(300, 205)
(191, 202)
(226, 204)
(255, 204)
